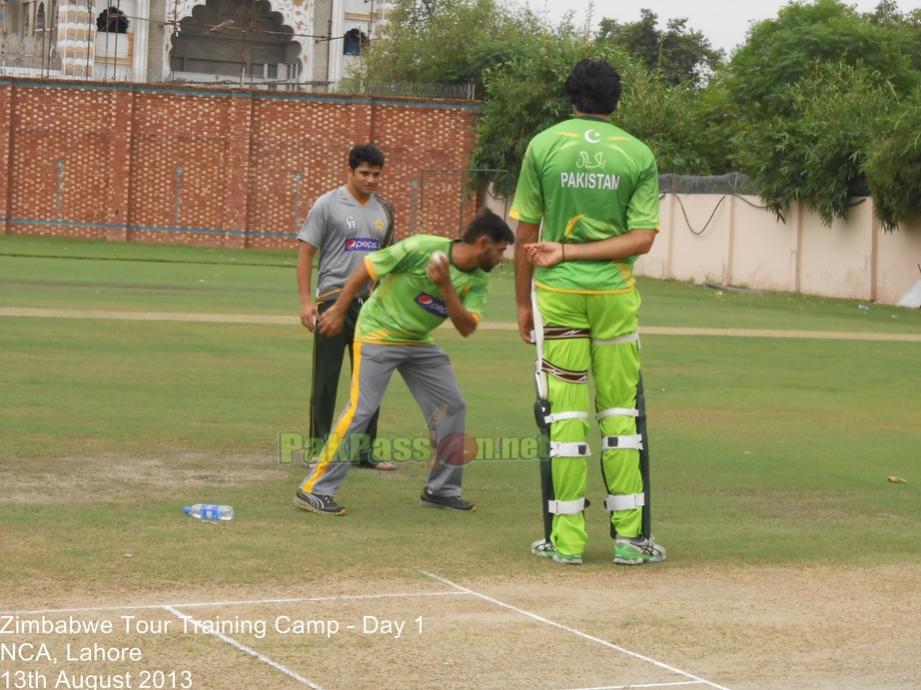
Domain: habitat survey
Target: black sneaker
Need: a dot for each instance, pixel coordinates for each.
(318, 503)
(447, 502)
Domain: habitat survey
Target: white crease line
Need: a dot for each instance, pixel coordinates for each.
(247, 602)
(646, 685)
(252, 652)
(574, 631)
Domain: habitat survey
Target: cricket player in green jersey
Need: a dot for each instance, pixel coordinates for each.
(587, 204)
(422, 282)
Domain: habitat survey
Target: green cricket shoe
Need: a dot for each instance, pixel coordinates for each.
(545, 549)
(637, 550)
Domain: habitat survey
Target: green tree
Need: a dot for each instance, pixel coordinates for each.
(721, 122)
(785, 50)
(886, 13)
(893, 164)
(525, 95)
(816, 152)
(446, 42)
(679, 54)
(888, 16)
(666, 117)
(805, 96)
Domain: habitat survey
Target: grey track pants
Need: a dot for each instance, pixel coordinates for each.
(427, 372)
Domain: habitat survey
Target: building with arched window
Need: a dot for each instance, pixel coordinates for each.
(301, 43)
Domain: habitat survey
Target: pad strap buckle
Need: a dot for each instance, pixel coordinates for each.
(634, 442)
(569, 450)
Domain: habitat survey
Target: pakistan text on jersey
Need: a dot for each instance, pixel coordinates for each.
(362, 244)
(586, 180)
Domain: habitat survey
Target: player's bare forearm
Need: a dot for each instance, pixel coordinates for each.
(330, 322)
(634, 243)
(305, 254)
(439, 273)
(527, 233)
(464, 321)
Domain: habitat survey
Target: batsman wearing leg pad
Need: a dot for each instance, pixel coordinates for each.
(563, 367)
(600, 338)
(587, 206)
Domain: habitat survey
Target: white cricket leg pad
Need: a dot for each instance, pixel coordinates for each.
(622, 442)
(563, 416)
(566, 507)
(569, 450)
(626, 502)
(618, 412)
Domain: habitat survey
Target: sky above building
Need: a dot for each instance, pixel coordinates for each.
(724, 22)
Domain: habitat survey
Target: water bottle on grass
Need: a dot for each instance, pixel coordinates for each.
(209, 511)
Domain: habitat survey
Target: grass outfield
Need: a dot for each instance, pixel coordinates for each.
(764, 450)
(83, 274)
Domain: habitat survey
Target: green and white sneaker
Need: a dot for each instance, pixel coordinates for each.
(637, 551)
(546, 549)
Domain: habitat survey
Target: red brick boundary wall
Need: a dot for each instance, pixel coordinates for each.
(143, 163)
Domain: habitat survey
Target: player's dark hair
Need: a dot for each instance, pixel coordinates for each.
(366, 153)
(488, 223)
(594, 87)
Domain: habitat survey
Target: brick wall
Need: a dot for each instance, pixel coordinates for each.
(216, 167)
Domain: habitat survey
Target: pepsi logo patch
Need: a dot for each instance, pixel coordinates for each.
(362, 244)
(432, 305)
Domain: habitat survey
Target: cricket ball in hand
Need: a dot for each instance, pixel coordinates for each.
(438, 257)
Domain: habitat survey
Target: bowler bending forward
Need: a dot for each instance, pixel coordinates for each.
(416, 293)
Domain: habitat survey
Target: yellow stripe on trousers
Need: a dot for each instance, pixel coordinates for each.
(335, 440)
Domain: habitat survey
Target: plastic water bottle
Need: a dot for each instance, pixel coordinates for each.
(209, 511)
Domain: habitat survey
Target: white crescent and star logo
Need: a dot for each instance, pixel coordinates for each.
(592, 136)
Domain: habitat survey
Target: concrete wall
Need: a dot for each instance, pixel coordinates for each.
(730, 240)
(734, 241)
(897, 257)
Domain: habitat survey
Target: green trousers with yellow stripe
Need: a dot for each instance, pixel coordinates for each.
(592, 336)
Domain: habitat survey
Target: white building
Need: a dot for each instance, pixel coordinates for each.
(263, 42)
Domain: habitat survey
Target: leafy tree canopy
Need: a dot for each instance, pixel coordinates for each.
(679, 54)
(525, 95)
(820, 103)
(447, 41)
(893, 164)
(817, 151)
(785, 50)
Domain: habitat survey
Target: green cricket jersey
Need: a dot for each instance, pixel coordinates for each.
(588, 180)
(407, 305)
